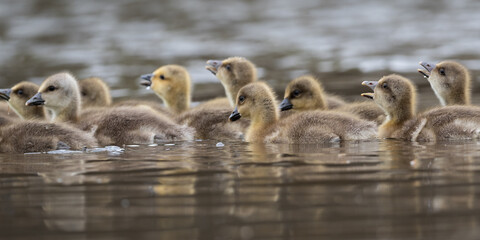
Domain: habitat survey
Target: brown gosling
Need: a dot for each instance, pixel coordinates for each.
(233, 73)
(449, 80)
(38, 136)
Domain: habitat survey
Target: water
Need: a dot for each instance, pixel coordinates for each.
(196, 190)
(233, 190)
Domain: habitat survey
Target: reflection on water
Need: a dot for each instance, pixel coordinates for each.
(195, 190)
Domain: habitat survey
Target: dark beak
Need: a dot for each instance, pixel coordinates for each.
(286, 105)
(35, 100)
(146, 80)
(5, 94)
(213, 65)
(235, 115)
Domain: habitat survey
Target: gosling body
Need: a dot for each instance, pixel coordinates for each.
(256, 101)
(210, 120)
(306, 93)
(396, 95)
(123, 125)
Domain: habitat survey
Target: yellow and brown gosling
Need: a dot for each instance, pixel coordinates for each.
(60, 94)
(18, 95)
(95, 92)
(396, 95)
(306, 93)
(256, 101)
(172, 84)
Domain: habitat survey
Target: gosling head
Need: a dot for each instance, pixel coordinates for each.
(255, 101)
(59, 93)
(304, 93)
(395, 95)
(449, 80)
(18, 95)
(95, 92)
(233, 73)
(172, 84)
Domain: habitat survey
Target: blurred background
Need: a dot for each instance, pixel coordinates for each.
(343, 42)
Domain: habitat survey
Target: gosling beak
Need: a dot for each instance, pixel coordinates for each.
(286, 105)
(428, 66)
(35, 100)
(146, 80)
(372, 85)
(5, 94)
(367, 95)
(213, 65)
(235, 115)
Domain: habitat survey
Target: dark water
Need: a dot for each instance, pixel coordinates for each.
(196, 190)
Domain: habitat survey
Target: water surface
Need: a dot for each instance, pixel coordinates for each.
(195, 190)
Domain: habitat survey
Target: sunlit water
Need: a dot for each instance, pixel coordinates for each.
(232, 190)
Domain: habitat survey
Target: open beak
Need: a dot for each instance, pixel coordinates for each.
(213, 65)
(367, 95)
(235, 115)
(372, 85)
(5, 94)
(35, 100)
(428, 69)
(146, 80)
(286, 105)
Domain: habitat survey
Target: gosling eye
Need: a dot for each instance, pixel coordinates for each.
(162, 77)
(241, 99)
(442, 71)
(384, 85)
(20, 91)
(51, 88)
(228, 67)
(296, 93)
(84, 93)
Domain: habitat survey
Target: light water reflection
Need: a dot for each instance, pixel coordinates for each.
(195, 190)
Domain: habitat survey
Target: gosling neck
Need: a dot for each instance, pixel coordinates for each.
(460, 97)
(29, 112)
(231, 93)
(69, 114)
(320, 102)
(403, 112)
(178, 103)
(261, 122)
(35, 113)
